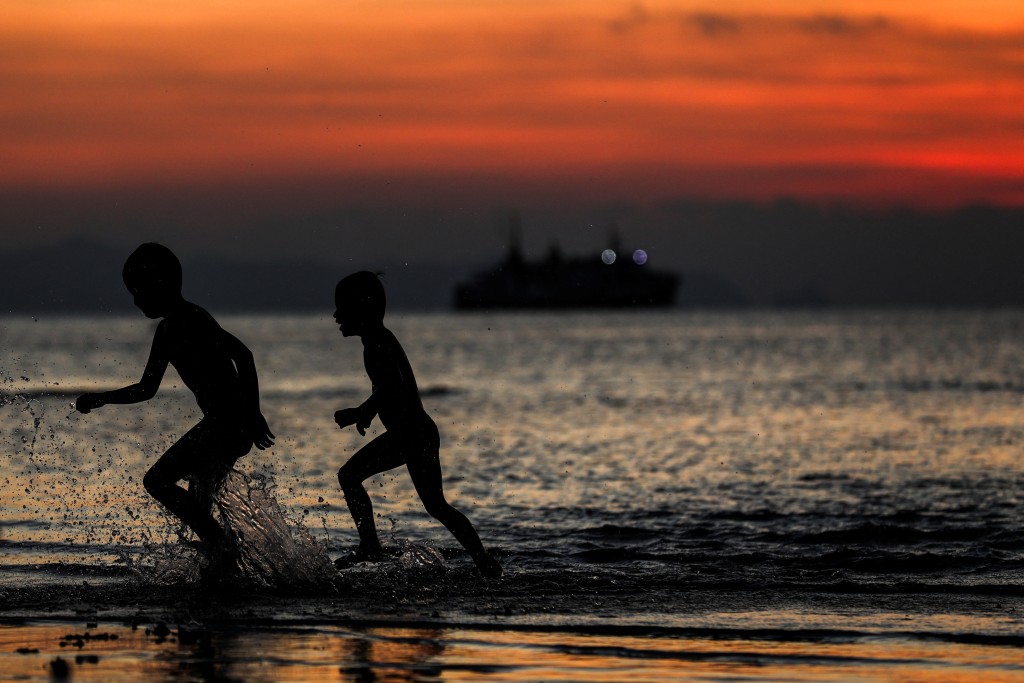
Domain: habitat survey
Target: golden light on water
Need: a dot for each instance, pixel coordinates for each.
(818, 466)
(410, 654)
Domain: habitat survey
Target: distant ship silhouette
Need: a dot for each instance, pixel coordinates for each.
(612, 279)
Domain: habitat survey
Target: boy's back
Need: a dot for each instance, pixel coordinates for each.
(201, 352)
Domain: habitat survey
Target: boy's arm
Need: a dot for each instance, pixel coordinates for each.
(360, 416)
(246, 364)
(368, 409)
(386, 376)
(144, 389)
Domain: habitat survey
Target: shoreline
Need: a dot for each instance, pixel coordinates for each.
(522, 603)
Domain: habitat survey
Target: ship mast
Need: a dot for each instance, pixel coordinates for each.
(614, 242)
(515, 237)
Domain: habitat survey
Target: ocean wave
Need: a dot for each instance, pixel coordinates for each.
(875, 534)
(911, 385)
(268, 392)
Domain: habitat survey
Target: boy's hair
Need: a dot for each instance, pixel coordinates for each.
(364, 293)
(153, 264)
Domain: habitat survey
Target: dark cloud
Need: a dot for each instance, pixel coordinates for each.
(839, 25)
(636, 16)
(713, 25)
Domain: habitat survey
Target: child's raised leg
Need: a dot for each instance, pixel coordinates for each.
(178, 463)
(375, 457)
(425, 470)
(202, 457)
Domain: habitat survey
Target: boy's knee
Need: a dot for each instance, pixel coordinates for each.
(152, 483)
(347, 478)
(438, 509)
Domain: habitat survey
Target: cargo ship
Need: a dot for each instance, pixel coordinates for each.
(612, 278)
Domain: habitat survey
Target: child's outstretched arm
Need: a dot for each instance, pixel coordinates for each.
(262, 437)
(143, 390)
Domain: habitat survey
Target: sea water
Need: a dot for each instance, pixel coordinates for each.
(662, 488)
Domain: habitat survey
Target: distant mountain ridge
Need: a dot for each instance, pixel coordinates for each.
(85, 277)
(781, 254)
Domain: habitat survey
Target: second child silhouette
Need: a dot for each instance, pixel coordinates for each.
(220, 371)
(411, 438)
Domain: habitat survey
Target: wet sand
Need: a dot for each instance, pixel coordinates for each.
(282, 651)
(504, 630)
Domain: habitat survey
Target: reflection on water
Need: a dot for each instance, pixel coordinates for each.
(397, 655)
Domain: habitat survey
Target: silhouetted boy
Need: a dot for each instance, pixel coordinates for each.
(219, 370)
(411, 438)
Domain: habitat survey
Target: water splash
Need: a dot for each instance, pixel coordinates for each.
(422, 558)
(268, 552)
(33, 407)
(164, 564)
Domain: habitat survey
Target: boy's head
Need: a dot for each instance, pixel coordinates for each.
(359, 302)
(153, 276)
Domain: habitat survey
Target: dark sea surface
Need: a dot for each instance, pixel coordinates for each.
(677, 495)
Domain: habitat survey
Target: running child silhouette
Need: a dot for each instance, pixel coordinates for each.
(411, 438)
(219, 370)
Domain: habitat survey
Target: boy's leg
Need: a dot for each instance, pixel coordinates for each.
(194, 457)
(373, 458)
(425, 470)
(179, 462)
(203, 485)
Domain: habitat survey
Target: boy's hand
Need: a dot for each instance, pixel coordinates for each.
(346, 417)
(88, 402)
(262, 437)
(350, 416)
(363, 423)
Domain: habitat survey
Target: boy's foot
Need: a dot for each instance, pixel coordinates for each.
(357, 556)
(221, 556)
(221, 566)
(489, 568)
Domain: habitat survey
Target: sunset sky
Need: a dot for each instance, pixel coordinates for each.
(494, 104)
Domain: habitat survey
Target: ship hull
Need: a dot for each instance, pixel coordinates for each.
(587, 287)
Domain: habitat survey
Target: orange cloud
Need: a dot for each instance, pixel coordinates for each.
(637, 99)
